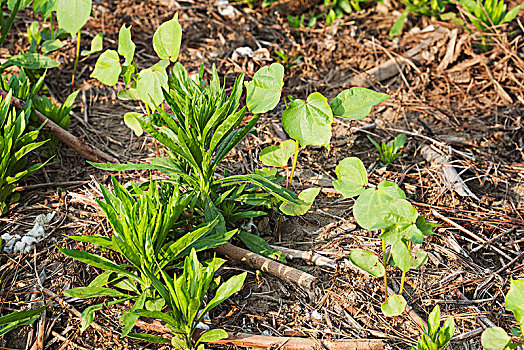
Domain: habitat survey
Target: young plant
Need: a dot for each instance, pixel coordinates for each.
(436, 338)
(496, 338)
(390, 151)
(308, 123)
(184, 298)
(288, 61)
(145, 226)
(15, 144)
(384, 208)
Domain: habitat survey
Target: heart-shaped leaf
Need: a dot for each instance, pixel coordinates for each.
(167, 40)
(352, 177)
(107, 68)
(150, 84)
(72, 15)
(394, 306)
(131, 120)
(306, 197)
(278, 156)
(356, 103)
(96, 45)
(309, 121)
(264, 91)
(372, 208)
(515, 301)
(367, 261)
(419, 259)
(126, 46)
(495, 339)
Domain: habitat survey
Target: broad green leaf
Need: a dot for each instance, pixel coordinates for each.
(367, 261)
(495, 339)
(226, 289)
(96, 45)
(126, 46)
(107, 68)
(260, 246)
(51, 45)
(72, 15)
(131, 120)
(23, 4)
(264, 91)
(212, 335)
(307, 197)
(426, 227)
(510, 15)
(446, 332)
(88, 316)
(95, 239)
(394, 306)
(356, 103)
(45, 7)
(419, 259)
(167, 40)
(401, 255)
(515, 301)
(352, 177)
(434, 322)
(31, 61)
(278, 156)
(155, 339)
(93, 292)
(150, 84)
(372, 208)
(309, 122)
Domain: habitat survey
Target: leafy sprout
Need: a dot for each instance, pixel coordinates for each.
(390, 151)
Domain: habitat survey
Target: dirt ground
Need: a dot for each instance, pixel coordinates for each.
(466, 105)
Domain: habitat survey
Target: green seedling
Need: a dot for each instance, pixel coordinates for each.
(16, 142)
(434, 337)
(18, 319)
(496, 338)
(390, 151)
(145, 223)
(429, 8)
(386, 209)
(184, 298)
(288, 61)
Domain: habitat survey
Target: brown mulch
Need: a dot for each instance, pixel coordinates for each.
(472, 111)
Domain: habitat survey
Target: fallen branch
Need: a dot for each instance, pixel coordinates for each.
(77, 144)
(310, 256)
(290, 274)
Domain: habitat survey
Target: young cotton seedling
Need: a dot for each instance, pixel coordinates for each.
(496, 338)
(386, 209)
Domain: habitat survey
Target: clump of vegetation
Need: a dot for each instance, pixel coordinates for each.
(436, 337)
(16, 142)
(388, 152)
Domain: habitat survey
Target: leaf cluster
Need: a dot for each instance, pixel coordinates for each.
(390, 151)
(436, 337)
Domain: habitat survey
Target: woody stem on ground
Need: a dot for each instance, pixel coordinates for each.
(385, 269)
(76, 60)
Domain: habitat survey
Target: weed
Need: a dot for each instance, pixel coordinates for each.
(390, 151)
(18, 319)
(436, 338)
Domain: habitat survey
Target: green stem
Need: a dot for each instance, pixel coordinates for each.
(52, 25)
(76, 60)
(402, 282)
(385, 268)
(294, 166)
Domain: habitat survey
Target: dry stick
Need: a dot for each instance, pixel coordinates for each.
(483, 320)
(77, 144)
(290, 274)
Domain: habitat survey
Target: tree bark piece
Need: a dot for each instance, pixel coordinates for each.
(290, 274)
(310, 256)
(77, 144)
